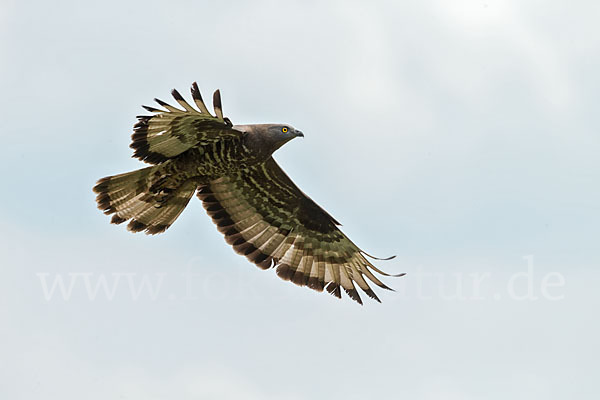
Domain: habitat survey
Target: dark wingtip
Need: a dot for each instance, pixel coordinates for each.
(377, 258)
(334, 289)
(103, 202)
(353, 294)
(101, 185)
(299, 278)
(371, 294)
(261, 260)
(117, 220)
(176, 95)
(196, 92)
(217, 100)
(136, 226)
(155, 229)
(162, 103)
(150, 109)
(284, 272)
(315, 284)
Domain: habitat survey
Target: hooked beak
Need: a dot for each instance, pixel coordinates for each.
(299, 133)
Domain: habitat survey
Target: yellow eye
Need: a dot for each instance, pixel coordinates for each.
(284, 129)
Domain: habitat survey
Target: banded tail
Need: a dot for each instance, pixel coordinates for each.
(146, 197)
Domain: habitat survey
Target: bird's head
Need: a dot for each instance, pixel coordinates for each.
(266, 138)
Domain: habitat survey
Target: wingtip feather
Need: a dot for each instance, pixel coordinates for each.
(197, 96)
(217, 104)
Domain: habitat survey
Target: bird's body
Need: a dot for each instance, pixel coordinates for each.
(260, 211)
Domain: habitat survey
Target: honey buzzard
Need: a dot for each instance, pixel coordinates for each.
(253, 203)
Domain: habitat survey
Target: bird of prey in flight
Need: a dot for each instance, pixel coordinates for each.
(253, 203)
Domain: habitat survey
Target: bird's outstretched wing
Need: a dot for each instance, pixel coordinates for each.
(268, 219)
(170, 132)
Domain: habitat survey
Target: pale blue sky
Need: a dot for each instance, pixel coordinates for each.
(461, 136)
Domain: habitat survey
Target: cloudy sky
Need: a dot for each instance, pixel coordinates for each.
(461, 136)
